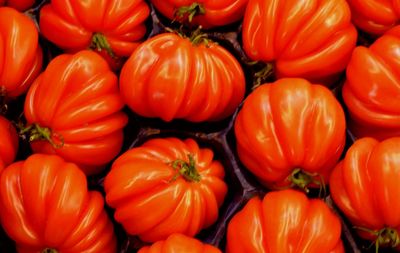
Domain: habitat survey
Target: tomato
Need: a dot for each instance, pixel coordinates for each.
(171, 77)
(290, 132)
(309, 39)
(207, 13)
(375, 16)
(372, 88)
(365, 186)
(285, 222)
(20, 5)
(20, 53)
(73, 109)
(165, 186)
(45, 204)
(179, 243)
(8, 143)
(116, 26)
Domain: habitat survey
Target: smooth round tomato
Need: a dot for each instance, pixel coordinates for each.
(207, 13)
(73, 109)
(285, 222)
(171, 77)
(310, 39)
(165, 186)
(45, 206)
(179, 243)
(365, 186)
(116, 26)
(20, 5)
(372, 88)
(20, 53)
(290, 132)
(375, 16)
(8, 142)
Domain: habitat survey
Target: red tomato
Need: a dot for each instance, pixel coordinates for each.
(290, 132)
(45, 204)
(8, 143)
(20, 5)
(372, 89)
(375, 16)
(74, 110)
(207, 13)
(171, 77)
(285, 222)
(310, 39)
(365, 186)
(20, 53)
(116, 26)
(165, 186)
(179, 243)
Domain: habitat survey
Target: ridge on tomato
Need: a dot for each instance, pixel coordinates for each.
(73, 109)
(20, 5)
(165, 186)
(8, 142)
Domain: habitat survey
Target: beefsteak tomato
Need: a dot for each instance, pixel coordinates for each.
(372, 88)
(290, 132)
(8, 143)
(165, 186)
(116, 26)
(171, 77)
(285, 222)
(73, 109)
(365, 186)
(311, 39)
(45, 206)
(20, 5)
(20, 52)
(207, 13)
(179, 243)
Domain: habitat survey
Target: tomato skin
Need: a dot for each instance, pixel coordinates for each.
(20, 52)
(170, 78)
(217, 13)
(8, 143)
(285, 222)
(71, 24)
(45, 203)
(371, 90)
(287, 125)
(20, 5)
(77, 97)
(152, 202)
(179, 243)
(310, 39)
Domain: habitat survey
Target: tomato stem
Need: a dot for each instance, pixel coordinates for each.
(302, 179)
(186, 169)
(198, 37)
(36, 132)
(190, 11)
(49, 250)
(384, 237)
(262, 75)
(99, 42)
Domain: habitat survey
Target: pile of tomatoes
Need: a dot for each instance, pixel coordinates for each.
(238, 126)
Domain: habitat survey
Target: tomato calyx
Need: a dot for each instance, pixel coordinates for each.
(99, 43)
(265, 71)
(302, 179)
(190, 11)
(185, 169)
(49, 250)
(36, 132)
(384, 237)
(197, 37)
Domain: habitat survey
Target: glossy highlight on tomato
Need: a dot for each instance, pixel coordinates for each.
(165, 186)
(45, 204)
(73, 109)
(285, 222)
(20, 5)
(171, 77)
(20, 52)
(290, 133)
(8, 142)
(311, 39)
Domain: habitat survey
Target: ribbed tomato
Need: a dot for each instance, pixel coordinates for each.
(20, 5)
(74, 110)
(8, 142)
(165, 186)
(20, 53)
(285, 222)
(116, 26)
(365, 186)
(207, 13)
(45, 206)
(372, 89)
(290, 132)
(375, 16)
(171, 77)
(179, 243)
(311, 39)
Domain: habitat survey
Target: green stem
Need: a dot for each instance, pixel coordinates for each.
(384, 237)
(190, 11)
(262, 75)
(186, 169)
(302, 180)
(36, 132)
(99, 42)
(49, 250)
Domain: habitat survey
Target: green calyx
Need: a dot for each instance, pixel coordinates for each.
(263, 74)
(186, 169)
(190, 11)
(99, 43)
(36, 132)
(302, 180)
(49, 250)
(384, 237)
